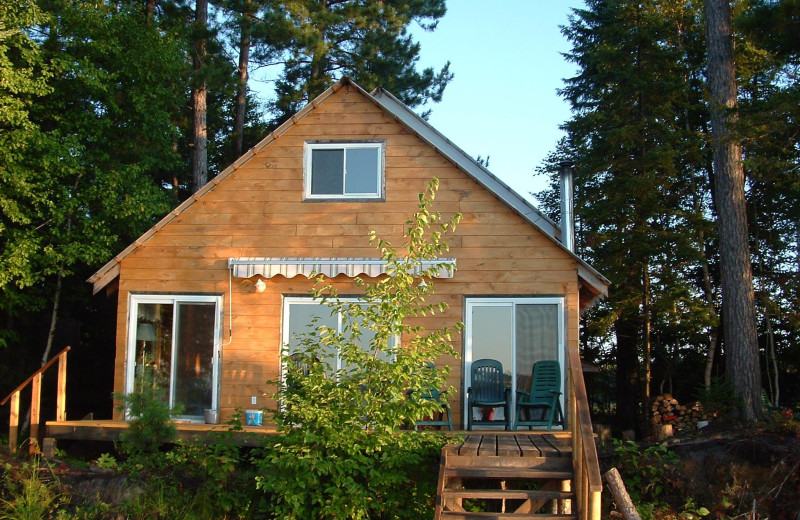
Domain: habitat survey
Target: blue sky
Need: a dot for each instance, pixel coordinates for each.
(507, 64)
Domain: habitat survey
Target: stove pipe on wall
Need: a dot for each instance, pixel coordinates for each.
(567, 209)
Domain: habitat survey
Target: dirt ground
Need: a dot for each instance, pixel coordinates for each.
(734, 472)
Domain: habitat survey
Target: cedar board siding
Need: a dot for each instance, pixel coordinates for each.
(258, 211)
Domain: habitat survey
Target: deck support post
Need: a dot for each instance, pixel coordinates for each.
(13, 423)
(61, 398)
(36, 404)
(565, 506)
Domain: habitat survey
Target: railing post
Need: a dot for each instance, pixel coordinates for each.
(13, 423)
(36, 401)
(61, 399)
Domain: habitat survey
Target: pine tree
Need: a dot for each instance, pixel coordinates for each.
(633, 140)
(739, 318)
(367, 41)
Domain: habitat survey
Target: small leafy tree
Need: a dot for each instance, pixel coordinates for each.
(152, 423)
(341, 453)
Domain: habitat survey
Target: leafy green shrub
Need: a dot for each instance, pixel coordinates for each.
(152, 423)
(199, 480)
(27, 496)
(341, 453)
(719, 398)
(652, 481)
(106, 461)
(784, 423)
(643, 470)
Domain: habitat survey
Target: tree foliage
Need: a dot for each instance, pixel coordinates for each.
(367, 41)
(341, 453)
(639, 139)
(96, 118)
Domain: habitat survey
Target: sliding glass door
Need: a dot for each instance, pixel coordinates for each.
(517, 332)
(173, 350)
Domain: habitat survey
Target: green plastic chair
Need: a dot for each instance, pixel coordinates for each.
(434, 394)
(487, 391)
(542, 405)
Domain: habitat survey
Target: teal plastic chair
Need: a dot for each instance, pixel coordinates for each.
(542, 405)
(488, 390)
(434, 394)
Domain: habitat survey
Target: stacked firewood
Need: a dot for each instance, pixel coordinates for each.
(667, 410)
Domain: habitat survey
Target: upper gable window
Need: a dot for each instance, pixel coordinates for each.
(344, 170)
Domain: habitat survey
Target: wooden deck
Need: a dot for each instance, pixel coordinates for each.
(508, 475)
(101, 430)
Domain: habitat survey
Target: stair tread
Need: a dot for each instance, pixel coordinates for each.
(508, 494)
(457, 515)
(501, 473)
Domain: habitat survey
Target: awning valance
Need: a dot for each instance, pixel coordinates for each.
(330, 267)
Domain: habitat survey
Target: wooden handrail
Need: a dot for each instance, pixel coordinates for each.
(588, 485)
(36, 390)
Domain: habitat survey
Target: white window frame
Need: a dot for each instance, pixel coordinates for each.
(309, 147)
(130, 362)
(286, 332)
(510, 302)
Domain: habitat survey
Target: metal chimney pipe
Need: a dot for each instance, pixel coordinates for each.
(567, 207)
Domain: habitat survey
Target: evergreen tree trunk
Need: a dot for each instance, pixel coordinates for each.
(241, 92)
(647, 334)
(739, 316)
(149, 9)
(626, 331)
(199, 94)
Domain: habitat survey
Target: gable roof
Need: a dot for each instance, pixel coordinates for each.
(594, 285)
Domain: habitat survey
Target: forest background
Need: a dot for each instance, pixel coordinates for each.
(112, 113)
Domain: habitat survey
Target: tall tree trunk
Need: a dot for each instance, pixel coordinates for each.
(149, 9)
(772, 361)
(646, 333)
(199, 93)
(51, 334)
(241, 92)
(626, 329)
(739, 316)
(708, 293)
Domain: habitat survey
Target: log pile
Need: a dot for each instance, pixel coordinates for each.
(667, 410)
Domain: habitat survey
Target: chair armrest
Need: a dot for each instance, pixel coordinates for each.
(523, 392)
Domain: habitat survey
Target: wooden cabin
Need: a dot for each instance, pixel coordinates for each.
(213, 291)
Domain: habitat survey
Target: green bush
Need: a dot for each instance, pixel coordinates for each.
(199, 480)
(341, 453)
(719, 398)
(152, 423)
(31, 492)
(650, 478)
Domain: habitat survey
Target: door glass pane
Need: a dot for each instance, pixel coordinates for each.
(362, 171)
(194, 355)
(154, 349)
(492, 339)
(537, 338)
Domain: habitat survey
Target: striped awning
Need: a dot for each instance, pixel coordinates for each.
(330, 267)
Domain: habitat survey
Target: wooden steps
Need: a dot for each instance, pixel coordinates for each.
(452, 515)
(506, 477)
